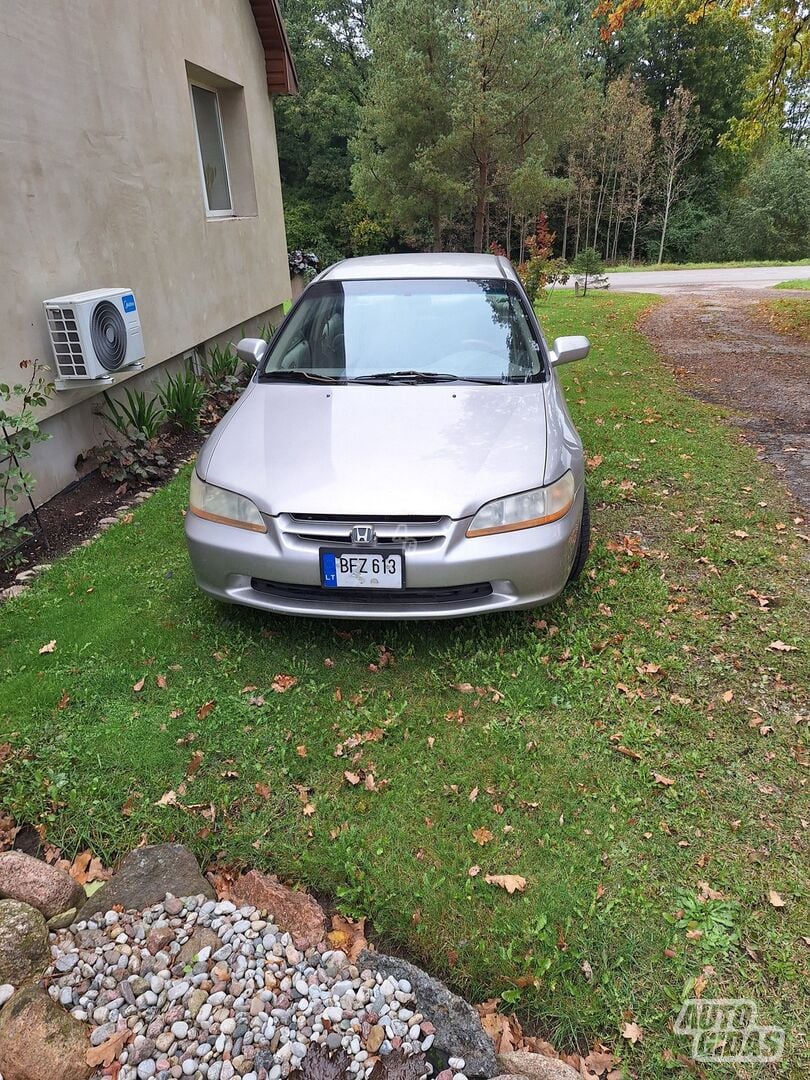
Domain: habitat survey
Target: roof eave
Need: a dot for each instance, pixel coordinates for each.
(282, 77)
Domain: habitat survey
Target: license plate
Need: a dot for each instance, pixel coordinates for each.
(358, 569)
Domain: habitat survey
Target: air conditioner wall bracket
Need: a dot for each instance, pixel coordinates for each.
(90, 384)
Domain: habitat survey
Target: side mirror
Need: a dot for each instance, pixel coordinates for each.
(251, 350)
(566, 349)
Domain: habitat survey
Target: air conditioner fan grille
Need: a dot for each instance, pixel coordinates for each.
(108, 333)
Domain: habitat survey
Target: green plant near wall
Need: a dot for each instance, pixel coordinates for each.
(220, 367)
(19, 431)
(182, 399)
(136, 414)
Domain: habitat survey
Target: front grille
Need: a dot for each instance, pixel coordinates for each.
(448, 594)
(335, 529)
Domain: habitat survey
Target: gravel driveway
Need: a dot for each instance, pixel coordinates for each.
(722, 353)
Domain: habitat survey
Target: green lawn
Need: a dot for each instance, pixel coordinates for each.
(794, 283)
(634, 747)
(627, 268)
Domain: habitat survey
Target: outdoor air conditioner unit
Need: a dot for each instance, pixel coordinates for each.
(94, 335)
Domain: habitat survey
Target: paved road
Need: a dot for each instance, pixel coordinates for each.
(676, 281)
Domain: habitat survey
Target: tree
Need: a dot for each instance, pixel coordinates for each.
(314, 129)
(515, 83)
(783, 24)
(404, 164)
(772, 218)
(678, 140)
(588, 264)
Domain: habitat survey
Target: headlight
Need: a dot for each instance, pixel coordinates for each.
(523, 511)
(225, 507)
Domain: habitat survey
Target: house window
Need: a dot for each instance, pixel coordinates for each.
(211, 145)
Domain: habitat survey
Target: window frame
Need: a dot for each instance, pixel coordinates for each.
(209, 213)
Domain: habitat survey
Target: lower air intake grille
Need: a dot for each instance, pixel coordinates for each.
(449, 594)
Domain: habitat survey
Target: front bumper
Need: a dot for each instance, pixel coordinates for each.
(448, 575)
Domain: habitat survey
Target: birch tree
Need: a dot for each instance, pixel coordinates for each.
(678, 140)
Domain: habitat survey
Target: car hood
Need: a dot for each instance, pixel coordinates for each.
(379, 450)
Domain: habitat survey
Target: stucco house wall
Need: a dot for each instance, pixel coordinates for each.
(100, 183)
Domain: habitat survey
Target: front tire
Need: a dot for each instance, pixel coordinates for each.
(584, 543)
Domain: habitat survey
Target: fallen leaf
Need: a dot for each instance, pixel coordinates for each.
(85, 867)
(463, 687)
(474, 871)
(168, 798)
(109, 1050)
(195, 761)
(308, 810)
(352, 778)
(482, 836)
(282, 683)
(511, 882)
(160, 682)
(206, 709)
(473, 794)
(632, 1032)
(664, 781)
(780, 646)
(348, 936)
(139, 685)
(263, 790)
(48, 648)
(775, 900)
(63, 701)
(248, 689)
(728, 695)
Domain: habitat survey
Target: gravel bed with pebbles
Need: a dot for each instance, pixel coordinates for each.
(212, 991)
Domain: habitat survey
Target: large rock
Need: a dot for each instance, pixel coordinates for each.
(458, 1027)
(536, 1066)
(297, 913)
(145, 876)
(47, 888)
(24, 951)
(40, 1041)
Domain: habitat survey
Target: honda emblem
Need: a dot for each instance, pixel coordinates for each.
(362, 534)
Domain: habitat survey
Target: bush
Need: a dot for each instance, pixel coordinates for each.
(19, 430)
(137, 414)
(182, 399)
(136, 462)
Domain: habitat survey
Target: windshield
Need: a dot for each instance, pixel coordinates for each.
(407, 330)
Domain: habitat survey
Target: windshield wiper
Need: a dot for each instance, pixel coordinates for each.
(385, 377)
(293, 375)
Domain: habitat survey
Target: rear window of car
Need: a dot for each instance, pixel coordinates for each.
(475, 329)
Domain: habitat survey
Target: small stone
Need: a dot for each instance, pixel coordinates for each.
(6, 990)
(374, 1039)
(101, 1034)
(172, 905)
(180, 1029)
(61, 922)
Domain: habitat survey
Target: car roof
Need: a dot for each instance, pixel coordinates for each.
(420, 265)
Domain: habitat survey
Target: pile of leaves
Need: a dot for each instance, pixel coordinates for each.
(507, 1034)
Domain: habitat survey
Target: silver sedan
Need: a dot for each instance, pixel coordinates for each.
(402, 451)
